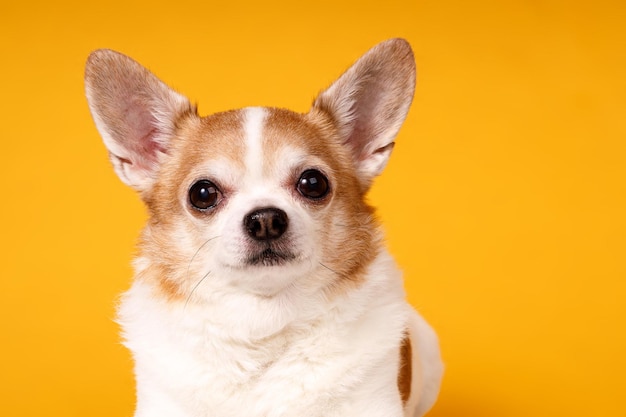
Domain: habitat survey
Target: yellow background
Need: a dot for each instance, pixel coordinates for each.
(504, 201)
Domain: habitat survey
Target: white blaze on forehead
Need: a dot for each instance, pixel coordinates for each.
(253, 130)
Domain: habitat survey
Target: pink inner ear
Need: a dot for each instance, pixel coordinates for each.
(367, 125)
(143, 135)
(151, 147)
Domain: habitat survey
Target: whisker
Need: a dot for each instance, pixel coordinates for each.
(194, 289)
(332, 270)
(197, 252)
(189, 268)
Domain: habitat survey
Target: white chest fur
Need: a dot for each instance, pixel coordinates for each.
(334, 356)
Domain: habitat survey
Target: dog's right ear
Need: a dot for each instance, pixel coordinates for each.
(369, 103)
(135, 113)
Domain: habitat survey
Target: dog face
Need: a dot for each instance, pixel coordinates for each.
(256, 200)
(259, 209)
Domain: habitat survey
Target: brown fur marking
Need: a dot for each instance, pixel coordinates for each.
(404, 372)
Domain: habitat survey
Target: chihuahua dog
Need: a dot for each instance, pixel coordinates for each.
(263, 287)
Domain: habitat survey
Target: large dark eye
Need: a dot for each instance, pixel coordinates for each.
(204, 195)
(313, 184)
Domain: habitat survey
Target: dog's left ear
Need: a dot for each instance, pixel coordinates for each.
(136, 114)
(369, 102)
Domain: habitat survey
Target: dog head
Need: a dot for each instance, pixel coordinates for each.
(258, 199)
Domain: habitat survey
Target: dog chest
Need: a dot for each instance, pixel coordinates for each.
(325, 366)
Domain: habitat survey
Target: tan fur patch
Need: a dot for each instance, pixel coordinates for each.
(405, 369)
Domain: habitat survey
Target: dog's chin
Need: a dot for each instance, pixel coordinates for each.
(268, 271)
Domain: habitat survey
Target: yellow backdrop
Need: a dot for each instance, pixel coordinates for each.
(504, 200)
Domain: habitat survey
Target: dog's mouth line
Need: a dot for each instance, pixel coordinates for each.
(269, 257)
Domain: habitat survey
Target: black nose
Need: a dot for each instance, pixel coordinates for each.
(266, 223)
